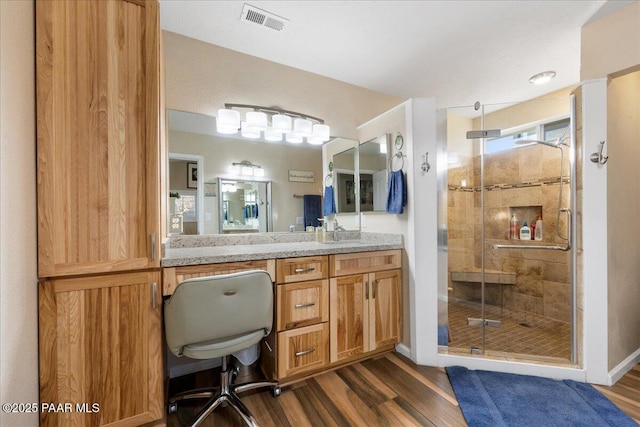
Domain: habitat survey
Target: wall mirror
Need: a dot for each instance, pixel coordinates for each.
(287, 172)
(343, 153)
(372, 166)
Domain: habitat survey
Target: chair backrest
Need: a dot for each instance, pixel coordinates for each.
(213, 308)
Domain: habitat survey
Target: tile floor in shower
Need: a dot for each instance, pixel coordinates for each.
(541, 337)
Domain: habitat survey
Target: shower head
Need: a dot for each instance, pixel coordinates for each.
(553, 143)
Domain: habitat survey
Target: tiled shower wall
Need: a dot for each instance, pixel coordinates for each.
(518, 178)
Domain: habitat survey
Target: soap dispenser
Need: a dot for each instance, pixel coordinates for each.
(538, 232)
(513, 228)
(525, 232)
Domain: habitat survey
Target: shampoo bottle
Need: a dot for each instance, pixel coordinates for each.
(525, 232)
(513, 228)
(538, 233)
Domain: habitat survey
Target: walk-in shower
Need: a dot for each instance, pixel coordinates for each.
(505, 297)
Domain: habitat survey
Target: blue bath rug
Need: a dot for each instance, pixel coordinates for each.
(496, 399)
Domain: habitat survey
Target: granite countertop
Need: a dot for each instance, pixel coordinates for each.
(193, 252)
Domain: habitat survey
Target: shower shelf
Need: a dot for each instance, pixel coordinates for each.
(474, 275)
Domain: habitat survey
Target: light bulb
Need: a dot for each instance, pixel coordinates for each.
(256, 121)
(302, 127)
(248, 132)
(281, 123)
(228, 121)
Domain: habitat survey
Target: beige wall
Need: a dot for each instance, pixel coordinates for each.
(201, 77)
(623, 213)
(611, 44)
(18, 277)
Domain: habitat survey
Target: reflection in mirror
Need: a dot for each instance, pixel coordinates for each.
(245, 206)
(291, 170)
(344, 182)
(184, 204)
(373, 174)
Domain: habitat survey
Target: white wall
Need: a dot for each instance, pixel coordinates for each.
(18, 276)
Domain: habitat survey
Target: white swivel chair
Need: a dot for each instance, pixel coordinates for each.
(211, 317)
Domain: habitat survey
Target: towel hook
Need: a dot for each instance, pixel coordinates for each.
(425, 166)
(598, 157)
(399, 155)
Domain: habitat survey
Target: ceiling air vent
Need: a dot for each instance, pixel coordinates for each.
(254, 15)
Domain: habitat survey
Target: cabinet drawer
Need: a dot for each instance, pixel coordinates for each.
(302, 304)
(172, 276)
(290, 270)
(303, 349)
(365, 262)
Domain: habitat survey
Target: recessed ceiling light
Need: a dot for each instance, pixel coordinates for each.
(542, 78)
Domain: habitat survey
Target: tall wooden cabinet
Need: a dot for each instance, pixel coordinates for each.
(97, 129)
(98, 151)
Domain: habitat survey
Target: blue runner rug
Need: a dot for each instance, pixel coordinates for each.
(496, 399)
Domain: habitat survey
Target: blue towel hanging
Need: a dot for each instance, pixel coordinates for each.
(396, 193)
(312, 209)
(329, 202)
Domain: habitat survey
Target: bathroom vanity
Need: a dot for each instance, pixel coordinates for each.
(335, 302)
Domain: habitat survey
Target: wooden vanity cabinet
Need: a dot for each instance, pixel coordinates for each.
(365, 311)
(352, 308)
(300, 341)
(100, 341)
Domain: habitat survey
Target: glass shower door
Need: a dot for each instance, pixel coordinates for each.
(508, 293)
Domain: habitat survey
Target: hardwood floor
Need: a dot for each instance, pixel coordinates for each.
(388, 390)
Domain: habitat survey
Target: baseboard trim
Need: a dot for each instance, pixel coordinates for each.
(625, 366)
(403, 350)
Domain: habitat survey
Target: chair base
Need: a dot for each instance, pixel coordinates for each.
(226, 393)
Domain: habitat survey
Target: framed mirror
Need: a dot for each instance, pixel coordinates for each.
(343, 155)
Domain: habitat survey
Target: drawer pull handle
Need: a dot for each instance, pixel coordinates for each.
(304, 270)
(229, 293)
(154, 295)
(374, 287)
(308, 304)
(302, 353)
(366, 290)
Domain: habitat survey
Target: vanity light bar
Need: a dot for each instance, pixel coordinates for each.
(295, 126)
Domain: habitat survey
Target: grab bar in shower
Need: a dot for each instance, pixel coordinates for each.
(546, 248)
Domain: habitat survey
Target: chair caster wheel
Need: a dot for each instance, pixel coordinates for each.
(172, 408)
(276, 391)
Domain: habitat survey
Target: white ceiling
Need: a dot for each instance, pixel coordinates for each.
(458, 51)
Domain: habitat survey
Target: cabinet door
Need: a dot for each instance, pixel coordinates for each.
(385, 308)
(97, 91)
(101, 343)
(348, 312)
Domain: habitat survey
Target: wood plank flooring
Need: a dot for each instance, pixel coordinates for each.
(388, 390)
